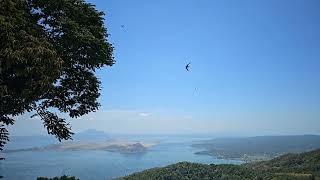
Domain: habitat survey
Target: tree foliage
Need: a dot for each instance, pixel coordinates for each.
(49, 52)
(186, 171)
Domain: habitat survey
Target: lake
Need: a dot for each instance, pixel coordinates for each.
(99, 164)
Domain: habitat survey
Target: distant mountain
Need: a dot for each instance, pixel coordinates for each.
(260, 147)
(91, 135)
(305, 166)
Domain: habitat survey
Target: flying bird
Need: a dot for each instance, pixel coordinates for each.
(195, 90)
(123, 28)
(188, 66)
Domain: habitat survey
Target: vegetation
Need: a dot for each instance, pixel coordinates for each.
(291, 166)
(49, 51)
(304, 163)
(186, 170)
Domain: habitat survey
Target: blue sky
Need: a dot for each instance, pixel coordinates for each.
(254, 68)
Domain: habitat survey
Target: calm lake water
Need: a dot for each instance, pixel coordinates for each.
(99, 164)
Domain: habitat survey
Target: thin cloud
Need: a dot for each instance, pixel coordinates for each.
(144, 114)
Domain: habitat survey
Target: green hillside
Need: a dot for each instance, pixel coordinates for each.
(304, 163)
(304, 166)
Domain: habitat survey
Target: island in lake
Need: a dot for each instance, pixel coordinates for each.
(113, 145)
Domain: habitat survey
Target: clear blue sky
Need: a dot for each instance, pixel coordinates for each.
(255, 67)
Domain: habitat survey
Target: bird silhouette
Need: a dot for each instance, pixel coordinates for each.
(188, 66)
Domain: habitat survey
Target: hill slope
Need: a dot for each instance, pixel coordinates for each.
(290, 166)
(304, 163)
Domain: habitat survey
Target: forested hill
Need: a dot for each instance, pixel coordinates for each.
(290, 166)
(304, 163)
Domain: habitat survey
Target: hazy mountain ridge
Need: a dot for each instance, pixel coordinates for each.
(91, 135)
(259, 147)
